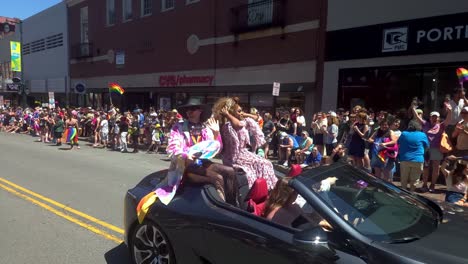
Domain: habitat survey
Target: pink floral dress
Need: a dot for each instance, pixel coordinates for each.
(236, 154)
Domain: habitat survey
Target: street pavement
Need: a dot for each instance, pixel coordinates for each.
(52, 200)
(44, 184)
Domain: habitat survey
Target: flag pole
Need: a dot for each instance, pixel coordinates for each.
(110, 97)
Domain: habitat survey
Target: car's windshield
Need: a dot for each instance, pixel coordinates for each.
(376, 209)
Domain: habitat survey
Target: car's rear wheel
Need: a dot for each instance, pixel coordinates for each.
(149, 244)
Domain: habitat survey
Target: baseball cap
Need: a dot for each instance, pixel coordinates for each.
(419, 111)
(332, 114)
(435, 113)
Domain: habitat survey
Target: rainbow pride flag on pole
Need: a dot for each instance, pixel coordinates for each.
(115, 88)
(462, 74)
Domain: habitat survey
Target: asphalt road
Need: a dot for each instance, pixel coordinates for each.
(52, 199)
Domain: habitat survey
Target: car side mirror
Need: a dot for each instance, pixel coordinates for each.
(316, 240)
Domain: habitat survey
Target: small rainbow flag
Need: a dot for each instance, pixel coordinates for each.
(115, 88)
(462, 74)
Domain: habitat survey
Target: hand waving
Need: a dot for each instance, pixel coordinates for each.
(213, 124)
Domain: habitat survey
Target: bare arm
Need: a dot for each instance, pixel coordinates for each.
(415, 115)
(236, 124)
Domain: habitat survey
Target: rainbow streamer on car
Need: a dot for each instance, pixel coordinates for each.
(207, 150)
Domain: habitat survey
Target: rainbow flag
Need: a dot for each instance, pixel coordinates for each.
(115, 88)
(462, 74)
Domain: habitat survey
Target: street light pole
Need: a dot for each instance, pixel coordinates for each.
(22, 85)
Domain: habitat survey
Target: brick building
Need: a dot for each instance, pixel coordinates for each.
(162, 51)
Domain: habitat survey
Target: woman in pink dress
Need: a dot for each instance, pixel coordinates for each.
(235, 135)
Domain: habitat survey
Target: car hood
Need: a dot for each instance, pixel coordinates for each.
(447, 244)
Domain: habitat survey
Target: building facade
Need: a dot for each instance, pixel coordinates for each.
(45, 55)
(9, 31)
(162, 51)
(384, 55)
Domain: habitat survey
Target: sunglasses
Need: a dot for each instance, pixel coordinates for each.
(193, 108)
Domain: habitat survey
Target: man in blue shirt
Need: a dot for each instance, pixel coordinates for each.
(412, 144)
(287, 144)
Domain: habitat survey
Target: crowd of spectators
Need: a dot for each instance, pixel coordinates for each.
(408, 142)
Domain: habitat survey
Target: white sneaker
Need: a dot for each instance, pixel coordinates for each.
(303, 165)
(285, 164)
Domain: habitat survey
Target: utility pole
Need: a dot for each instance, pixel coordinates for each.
(23, 84)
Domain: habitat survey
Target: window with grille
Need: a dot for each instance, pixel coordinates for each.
(54, 41)
(110, 12)
(146, 7)
(167, 5)
(127, 10)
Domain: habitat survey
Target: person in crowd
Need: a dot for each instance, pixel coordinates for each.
(116, 133)
(305, 147)
(301, 121)
(461, 134)
(58, 129)
(235, 129)
(456, 178)
(269, 131)
(379, 160)
(141, 126)
(104, 130)
(412, 145)
(331, 132)
(313, 160)
(458, 102)
(123, 128)
(392, 148)
(72, 130)
(255, 115)
(44, 128)
(293, 124)
(318, 125)
(434, 130)
(357, 142)
(155, 139)
(287, 145)
(195, 128)
(96, 121)
(338, 155)
(135, 135)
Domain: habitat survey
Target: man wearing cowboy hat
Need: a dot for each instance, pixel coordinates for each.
(195, 128)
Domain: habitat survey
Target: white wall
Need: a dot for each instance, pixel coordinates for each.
(50, 65)
(344, 14)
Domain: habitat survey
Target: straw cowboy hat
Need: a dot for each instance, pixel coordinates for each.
(195, 102)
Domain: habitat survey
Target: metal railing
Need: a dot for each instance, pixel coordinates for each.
(82, 50)
(258, 15)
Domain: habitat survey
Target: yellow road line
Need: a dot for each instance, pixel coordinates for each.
(64, 207)
(69, 218)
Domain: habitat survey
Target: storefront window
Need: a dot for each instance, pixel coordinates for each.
(243, 99)
(211, 98)
(393, 89)
(286, 101)
(263, 102)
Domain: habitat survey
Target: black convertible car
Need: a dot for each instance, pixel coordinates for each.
(372, 222)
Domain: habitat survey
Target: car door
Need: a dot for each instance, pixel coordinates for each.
(237, 238)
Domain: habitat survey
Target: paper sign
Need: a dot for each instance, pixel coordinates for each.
(51, 100)
(276, 88)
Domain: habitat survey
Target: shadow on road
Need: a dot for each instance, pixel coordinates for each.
(118, 255)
